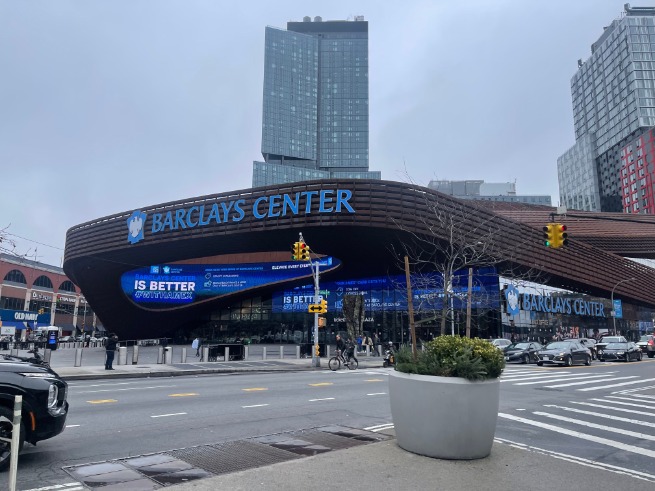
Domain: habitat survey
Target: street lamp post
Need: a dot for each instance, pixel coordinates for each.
(612, 300)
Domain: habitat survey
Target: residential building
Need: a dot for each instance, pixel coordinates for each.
(487, 191)
(315, 103)
(613, 94)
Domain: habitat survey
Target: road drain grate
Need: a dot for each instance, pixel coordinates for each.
(153, 471)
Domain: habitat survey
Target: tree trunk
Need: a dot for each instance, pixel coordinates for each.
(353, 311)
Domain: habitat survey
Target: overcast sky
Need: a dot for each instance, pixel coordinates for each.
(112, 105)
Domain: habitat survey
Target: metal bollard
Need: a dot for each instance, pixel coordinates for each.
(122, 355)
(368, 350)
(47, 354)
(183, 358)
(281, 352)
(297, 352)
(135, 354)
(160, 355)
(245, 352)
(205, 353)
(168, 355)
(264, 353)
(15, 442)
(327, 351)
(78, 357)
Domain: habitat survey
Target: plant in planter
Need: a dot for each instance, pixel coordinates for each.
(444, 400)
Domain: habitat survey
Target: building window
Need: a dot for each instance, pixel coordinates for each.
(15, 276)
(43, 281)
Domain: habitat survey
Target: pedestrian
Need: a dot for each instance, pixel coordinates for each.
(359, 342)
(369, 342)
(196, 346)
(111, 351)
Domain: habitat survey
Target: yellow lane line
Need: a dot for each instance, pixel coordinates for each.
(320, 384)
(102, 401)
(254, 389)
(374, 380)
(184, 394)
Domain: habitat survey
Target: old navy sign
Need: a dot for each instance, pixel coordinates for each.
(559, 305)
(272, 206)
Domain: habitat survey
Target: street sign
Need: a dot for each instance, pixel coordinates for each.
(618, 309)
(316, 308)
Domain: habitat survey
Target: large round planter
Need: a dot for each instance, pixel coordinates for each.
(444, 417)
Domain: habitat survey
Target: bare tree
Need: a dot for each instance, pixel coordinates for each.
(445, 240)
(7, 245)
(353, 311)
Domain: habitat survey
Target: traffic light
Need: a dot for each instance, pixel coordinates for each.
(304, 252)
(561, 235)
(549, 235)
(41, 311)
(323, 304)
(295, 251)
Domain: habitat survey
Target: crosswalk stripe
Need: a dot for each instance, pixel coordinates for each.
(620, 409)
(559, 379)
(622, 403)
(629, 399)
(590, 381)
(601, 415)
(537, 377)
(582, 436)
(642, 396)
(618, 385)
(610, 429)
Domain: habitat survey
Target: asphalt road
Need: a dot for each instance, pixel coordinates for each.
(598, 415)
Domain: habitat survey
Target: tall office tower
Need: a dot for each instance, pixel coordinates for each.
(315, 105)
(613, 95)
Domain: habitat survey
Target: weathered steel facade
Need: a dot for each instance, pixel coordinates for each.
(387, 215)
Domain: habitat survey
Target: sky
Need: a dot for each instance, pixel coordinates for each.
(108, 106)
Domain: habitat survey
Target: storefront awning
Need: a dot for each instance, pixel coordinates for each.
(16, 324)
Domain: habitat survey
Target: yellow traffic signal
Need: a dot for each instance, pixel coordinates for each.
(550, 235)
(304, 252)
(561, 236)
(295, 251)
(323, 304)
(41, 311)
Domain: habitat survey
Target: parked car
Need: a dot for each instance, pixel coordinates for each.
(605, 340)
(523, 352)
(565, 353)
(620, 352)
(590, 344)
(65, 339)
(44, 408)
(500, 343)
(647, 345)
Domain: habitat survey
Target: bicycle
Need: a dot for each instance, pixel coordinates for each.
(337, 360)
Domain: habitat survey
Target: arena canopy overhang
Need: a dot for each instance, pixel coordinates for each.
(362, 223)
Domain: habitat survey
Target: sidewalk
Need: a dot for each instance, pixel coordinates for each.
(385, 466)
(183, 369)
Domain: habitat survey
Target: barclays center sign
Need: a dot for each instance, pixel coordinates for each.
(551, 304)
(328, 201)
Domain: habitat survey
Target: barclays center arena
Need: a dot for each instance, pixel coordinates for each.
(220, 266)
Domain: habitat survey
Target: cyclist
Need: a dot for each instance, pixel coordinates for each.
(350, 352)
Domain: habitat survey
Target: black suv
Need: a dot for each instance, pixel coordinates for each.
(44, 403)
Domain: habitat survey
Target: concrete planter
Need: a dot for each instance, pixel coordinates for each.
(444, 417)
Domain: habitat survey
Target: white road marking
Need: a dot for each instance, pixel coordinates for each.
(601, 415)
(642, 396)
(561, 379)
(610, 429)
(541, 377)
(377, 394)
(255, 405)
(583, 436)
(618, 385)
(580, 461)
(632, 398)
(612, 408)
(128, 388)
(72, 426)
(164, 415)
(590, 381)
(71, 486)
(376, 428)
(623, 403)
(323, 399)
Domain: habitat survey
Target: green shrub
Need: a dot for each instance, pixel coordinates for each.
(453, 356)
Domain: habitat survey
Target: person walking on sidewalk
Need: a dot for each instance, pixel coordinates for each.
(196, 346)
(111, 351)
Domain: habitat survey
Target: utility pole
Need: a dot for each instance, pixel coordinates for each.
(410, 307)
(468, 304)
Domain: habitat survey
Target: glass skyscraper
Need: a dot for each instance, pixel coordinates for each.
(315, 103)
(613, 95)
